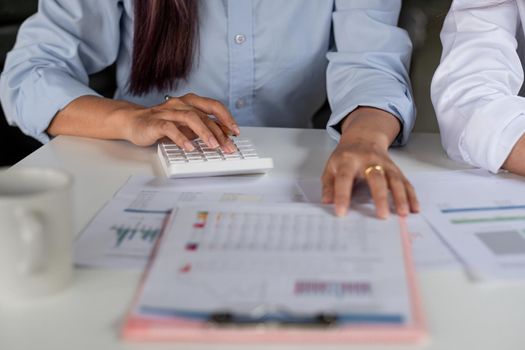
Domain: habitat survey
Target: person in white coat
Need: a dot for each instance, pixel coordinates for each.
(475, 90)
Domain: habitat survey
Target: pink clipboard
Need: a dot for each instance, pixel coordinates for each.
(144, 329)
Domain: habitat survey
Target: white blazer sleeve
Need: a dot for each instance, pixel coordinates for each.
(475, 88)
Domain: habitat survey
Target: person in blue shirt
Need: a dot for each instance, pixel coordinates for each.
(226, 63)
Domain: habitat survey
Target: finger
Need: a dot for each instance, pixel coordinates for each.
(187, 132)
(378, 187)
(215, 108)
(397, 188)
(177, 104)
(343, 192)
(191, 112)
(412, 197)
(224, 141)
(169, 130)
(327, 181)
(193, 120)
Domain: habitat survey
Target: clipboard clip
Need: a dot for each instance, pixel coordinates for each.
(226, 318)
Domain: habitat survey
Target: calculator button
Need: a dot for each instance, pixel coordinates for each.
(177, 160)
(246, 150)
(249, 155)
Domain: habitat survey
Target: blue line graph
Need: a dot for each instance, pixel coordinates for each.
(127, 233)
(471, 209)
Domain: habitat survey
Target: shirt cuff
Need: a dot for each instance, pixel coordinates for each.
(41, 100)
(487, 142)
(334, 123)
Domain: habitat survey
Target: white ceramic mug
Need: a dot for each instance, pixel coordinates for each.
(35, 232)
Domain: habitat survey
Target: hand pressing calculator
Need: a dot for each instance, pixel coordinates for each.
(205, 161)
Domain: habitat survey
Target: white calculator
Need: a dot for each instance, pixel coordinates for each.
(205, 161)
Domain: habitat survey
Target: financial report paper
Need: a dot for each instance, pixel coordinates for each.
(293, 259)
(122, 234)
(481, 217)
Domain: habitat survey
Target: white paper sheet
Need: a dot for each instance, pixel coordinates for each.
(428, 249)
(123, 232)
(118, 238)
(479, 215)
(466, 188)
(146, 199)
(294, 258)
(490, 238)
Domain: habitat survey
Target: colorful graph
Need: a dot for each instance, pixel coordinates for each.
(139, 232)
(488, 219)
(202, 217)
(487, 208)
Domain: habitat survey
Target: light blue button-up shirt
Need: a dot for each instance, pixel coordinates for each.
(271, 62)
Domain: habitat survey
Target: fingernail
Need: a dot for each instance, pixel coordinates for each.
(236, 129)
(326, 200)
(383, 215)
(403, 210)
(188, 146)
(213, 142)
(340, 211)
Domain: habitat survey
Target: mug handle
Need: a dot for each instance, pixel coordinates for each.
(33, 251)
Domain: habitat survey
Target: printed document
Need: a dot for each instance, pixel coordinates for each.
(293, 259)
(428, 249)
(123, 232)
(489, 238)
(480, 216)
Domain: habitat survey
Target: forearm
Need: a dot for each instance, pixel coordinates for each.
(370, 125)
(92, 116)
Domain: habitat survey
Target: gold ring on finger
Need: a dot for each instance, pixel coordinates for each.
(376, 167)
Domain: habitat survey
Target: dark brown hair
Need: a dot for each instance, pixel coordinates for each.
(165, 36)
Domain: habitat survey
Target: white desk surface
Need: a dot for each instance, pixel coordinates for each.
(460, 314)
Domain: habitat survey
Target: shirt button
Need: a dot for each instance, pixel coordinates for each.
(240, 103)
(240, 39)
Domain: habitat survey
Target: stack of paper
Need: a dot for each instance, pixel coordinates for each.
(124, 231)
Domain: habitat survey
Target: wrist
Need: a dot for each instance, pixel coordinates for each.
(123, 118)
(370, 126)
(363, 136)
